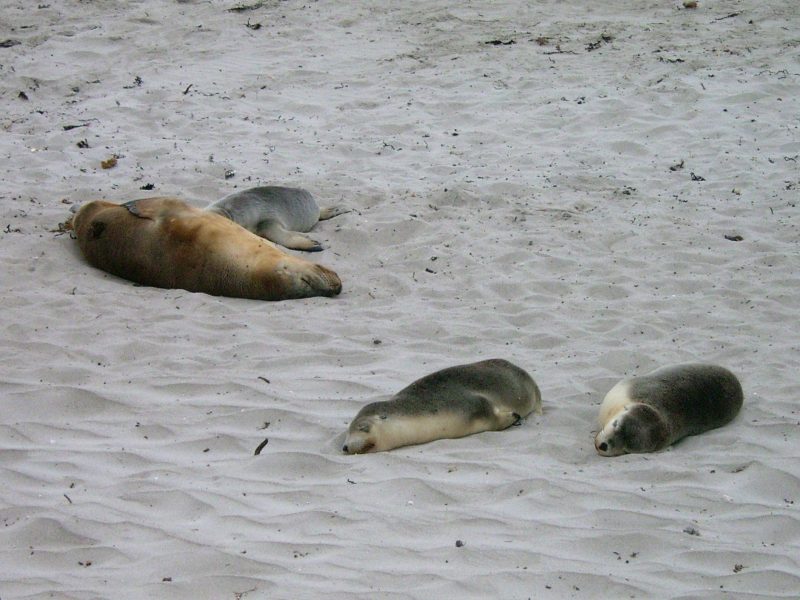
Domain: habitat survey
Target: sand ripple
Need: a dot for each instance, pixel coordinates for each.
(570, 201)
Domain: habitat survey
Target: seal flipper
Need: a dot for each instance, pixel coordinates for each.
(332, 211)
(141, 208)
(506, 418)
(483, 410)
(274, 232)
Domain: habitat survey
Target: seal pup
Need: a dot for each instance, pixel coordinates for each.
(166, 243)
(279, 214)
(650, 412)
(484, 396)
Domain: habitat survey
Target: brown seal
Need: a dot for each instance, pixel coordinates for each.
(164, 242)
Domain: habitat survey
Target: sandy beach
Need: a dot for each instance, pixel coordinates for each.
(588, 190)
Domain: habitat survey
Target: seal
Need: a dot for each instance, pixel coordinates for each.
(167, 243)
(653, 411)
(279, 214)
(457, 401)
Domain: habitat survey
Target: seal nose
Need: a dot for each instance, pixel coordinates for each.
(344, 448)
(603, 447)
(334, 284)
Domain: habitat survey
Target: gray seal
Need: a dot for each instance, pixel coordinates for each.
(653, 411)
(279, 214)
(489, 395)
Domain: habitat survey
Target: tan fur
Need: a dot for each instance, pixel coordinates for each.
(164, 242)
(614, 402)
(409, 430)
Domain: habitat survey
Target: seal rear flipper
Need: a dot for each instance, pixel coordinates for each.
(332, 211)
(506, 418)
(481, 409)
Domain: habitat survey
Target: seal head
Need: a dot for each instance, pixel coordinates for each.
(637, 428)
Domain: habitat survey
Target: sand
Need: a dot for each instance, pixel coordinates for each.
(554, 183)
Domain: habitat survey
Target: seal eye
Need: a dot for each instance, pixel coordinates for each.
(98, 227)
(364, 427)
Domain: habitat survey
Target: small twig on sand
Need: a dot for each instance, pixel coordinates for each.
(260, 447)
(730, 16)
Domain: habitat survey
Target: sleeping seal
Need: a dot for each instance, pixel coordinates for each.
(167, 243)
(651, 412)
(276, 213)
(484, 396)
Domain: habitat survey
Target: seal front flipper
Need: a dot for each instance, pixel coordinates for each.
(142, 208)
(159, 208)
(274, 232)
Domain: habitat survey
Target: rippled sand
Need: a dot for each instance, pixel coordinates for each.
(510, 200)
